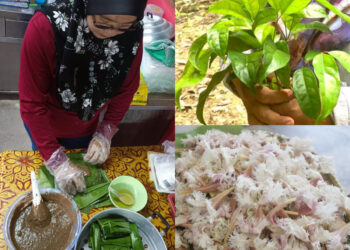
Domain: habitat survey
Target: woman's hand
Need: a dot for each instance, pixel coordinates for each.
(99, 149)
(68, 176)
(259, 105)
(292, 109)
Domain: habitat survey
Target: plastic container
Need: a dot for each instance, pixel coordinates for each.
(156, 28)
(7, 222)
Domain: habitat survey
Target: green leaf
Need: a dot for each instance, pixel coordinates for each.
(283, 75)
(311, 54)
(263, 31)
(274, 57)
(292, 20)
(265, 16)
(229, 7)
(215, 80)
(246, 66)
(287, 7)
(306, 91)
(308, 26)
(190, 77)
(334, 9)
(315, 10)
(342, 57)
(244, 39)
(253, 6)
(218, 37)
(194, 52)
(327, 72)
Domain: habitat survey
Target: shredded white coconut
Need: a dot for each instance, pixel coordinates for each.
(257, 190)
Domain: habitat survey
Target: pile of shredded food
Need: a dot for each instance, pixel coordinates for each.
(257, 190)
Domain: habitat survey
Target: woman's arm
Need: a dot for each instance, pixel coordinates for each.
(36, 78)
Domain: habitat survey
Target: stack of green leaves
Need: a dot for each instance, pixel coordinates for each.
(114, 233)
(96, 194)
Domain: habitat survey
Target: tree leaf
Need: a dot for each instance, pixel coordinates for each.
(306, 91)
(315, 10)
(265, 16)
(307, 26)
(262, 31)
(245, 39)
(194, 52)
(334, 9)
(253, 6)
(326, 70)
(287, 7)
(291, 20)
(274, 57)
(342, 57)
(229, 7)
(311, 54)
(218, 34)
(246, 66)
(190, 77)
(215, 80)
(283, 75)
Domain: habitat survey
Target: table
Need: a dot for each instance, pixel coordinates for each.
(15, 168)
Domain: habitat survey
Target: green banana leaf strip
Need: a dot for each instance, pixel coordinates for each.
(110, 247)
(135, 238)
(92, 194)
(96, 232)
(46, 180)
(121, 242)
(102, 202)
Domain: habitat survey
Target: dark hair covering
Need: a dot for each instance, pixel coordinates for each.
(90, 71)
(121, 7)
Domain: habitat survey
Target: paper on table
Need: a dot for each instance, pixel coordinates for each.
(162, 171)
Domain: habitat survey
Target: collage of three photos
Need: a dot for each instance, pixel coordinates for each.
(175, 124)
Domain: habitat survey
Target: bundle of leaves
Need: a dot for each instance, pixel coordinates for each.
(263, 43)
(96, 194)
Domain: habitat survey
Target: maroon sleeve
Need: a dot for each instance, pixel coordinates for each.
(121, 102)
(37, 72)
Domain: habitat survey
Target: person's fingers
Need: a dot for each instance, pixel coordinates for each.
(266, 115)
(89, 153)
(67, 186)
(79, 182)
(270, 96)
(94, 159)
(253, 121)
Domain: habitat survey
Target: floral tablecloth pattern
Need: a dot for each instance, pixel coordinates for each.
(15, 168)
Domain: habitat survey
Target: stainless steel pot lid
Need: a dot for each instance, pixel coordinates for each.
(156, 28)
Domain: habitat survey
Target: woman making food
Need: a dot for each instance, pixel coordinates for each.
(79, 58)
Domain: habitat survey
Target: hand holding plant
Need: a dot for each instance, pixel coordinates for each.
(261, 40)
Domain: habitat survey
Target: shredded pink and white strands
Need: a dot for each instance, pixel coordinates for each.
(257, 190)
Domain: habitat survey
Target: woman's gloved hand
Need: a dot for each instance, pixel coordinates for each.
(68, 176)
(100, 145)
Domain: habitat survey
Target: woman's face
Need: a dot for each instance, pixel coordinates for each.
(106, 26)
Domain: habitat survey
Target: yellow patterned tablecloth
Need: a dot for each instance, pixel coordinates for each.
(15, 168)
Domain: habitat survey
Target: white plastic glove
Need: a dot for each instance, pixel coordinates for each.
(100, 145)
(68, 176)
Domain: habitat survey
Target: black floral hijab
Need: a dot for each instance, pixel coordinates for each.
(89, 70)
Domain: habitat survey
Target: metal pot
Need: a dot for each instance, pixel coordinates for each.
(156, 28)
(149, 233)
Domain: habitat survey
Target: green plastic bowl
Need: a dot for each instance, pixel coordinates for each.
(134, 187)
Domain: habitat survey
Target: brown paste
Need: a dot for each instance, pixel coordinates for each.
(53, 231)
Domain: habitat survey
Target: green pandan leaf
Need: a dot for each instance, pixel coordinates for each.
(326, 70)
(306, 91)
